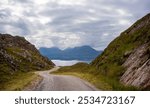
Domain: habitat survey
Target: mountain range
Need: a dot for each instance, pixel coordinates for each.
(85, 53)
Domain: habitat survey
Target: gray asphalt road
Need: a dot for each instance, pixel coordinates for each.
(62, 83)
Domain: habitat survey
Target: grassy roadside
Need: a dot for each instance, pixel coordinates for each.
(90, 74)
(100, 84)
(19, 81)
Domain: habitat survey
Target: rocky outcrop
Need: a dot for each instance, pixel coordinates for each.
(138, 68)
(137, 65)
(127, 58)
(7, 40)
(18, 55)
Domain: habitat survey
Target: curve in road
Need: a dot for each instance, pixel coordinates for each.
(62, 83)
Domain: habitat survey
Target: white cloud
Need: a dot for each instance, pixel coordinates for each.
(70, 23)
(121, 12)
(124, 22)
(41, 2)
(71, 2)
(4, 2)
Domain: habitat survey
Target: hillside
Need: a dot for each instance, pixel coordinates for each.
(18, 55)
(77, 53)
(127, 58)
(123, 65)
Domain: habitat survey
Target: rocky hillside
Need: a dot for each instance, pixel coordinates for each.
(18, 55)
(127, 58)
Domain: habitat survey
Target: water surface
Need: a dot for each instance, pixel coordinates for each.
(67, 62)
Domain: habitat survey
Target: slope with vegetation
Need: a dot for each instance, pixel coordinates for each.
(17, 58)
(127, 58)
(92, 75)
(124, 64)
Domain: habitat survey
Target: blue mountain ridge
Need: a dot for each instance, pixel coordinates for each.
(85, 53)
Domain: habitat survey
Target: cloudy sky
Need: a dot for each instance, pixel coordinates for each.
(70, 23)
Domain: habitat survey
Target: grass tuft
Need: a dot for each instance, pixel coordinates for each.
(18, 81)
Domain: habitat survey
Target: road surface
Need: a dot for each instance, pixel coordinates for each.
(62, 83)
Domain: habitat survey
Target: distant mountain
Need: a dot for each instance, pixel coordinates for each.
(85, 53)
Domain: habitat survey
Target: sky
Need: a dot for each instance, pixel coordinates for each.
(70, 23)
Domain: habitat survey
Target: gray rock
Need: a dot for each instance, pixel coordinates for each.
(138, 68)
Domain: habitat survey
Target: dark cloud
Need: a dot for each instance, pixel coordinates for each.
(69, 23)
(20, 1)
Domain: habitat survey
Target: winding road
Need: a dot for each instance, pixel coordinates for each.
(62, 83)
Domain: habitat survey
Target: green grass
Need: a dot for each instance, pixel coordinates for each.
(90, 74)
(15, 73)
(110, 62)
(18, 81)
(96, 81)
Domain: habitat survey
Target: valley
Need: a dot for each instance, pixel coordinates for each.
(124, 65)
